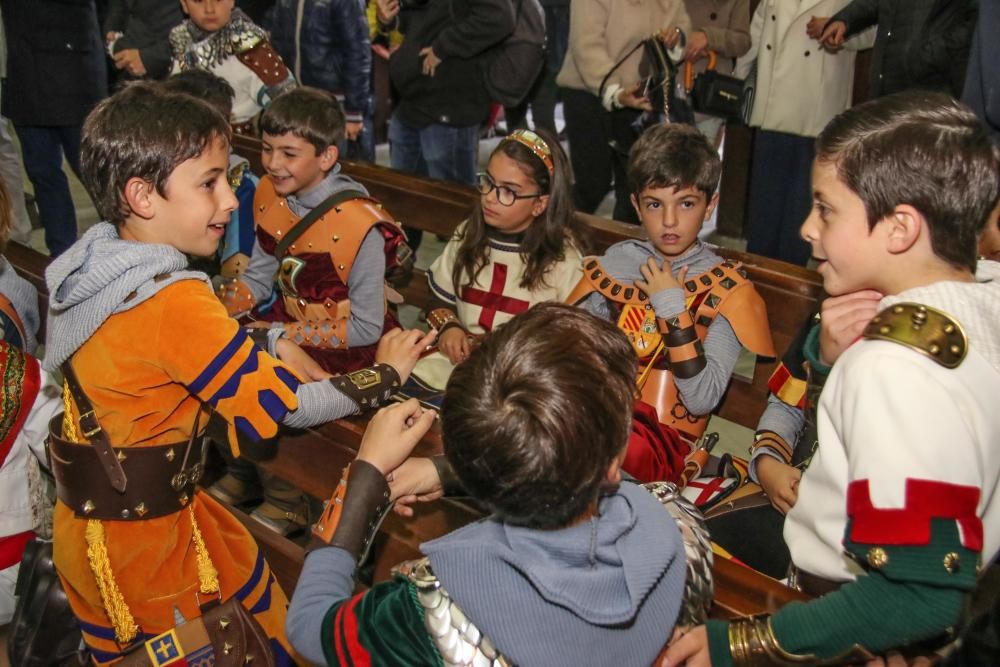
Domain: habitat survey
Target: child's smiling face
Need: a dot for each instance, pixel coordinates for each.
(209, 15)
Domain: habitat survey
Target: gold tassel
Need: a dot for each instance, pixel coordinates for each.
(208, 576)
(114, 604)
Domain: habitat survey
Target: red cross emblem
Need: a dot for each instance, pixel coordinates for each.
(494, 301)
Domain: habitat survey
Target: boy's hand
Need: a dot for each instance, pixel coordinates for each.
(454, 344)
(634, 99)
(780, 482)
(402, 348)
(697, 46)
(416, 480)
(843, 319)
(386, 10)
(815, 26)
(656, 279)
(299, 361)
(431, 61)
(352, 130)
(688, 648)
(393, 433)
(833, 35)
(130, 61)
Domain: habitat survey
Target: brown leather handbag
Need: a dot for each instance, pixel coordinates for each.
(225, 633)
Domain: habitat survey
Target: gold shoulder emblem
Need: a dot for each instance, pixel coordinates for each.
(922, 328)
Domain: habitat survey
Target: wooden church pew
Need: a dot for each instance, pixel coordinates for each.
(314, 458)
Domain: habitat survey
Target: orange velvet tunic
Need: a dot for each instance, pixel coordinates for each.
(147, 371)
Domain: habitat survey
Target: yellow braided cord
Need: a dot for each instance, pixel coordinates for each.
(208, 576)
(97, 552)
(114, 604)
(69, 423)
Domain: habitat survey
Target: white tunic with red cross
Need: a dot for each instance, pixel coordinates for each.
(495, 296)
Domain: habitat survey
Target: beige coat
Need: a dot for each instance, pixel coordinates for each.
(601, 32)
(800, 87)
(726, 23)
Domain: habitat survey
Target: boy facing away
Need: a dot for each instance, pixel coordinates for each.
(574, 566)
(900, 504)
(686, 311)
(152, 348)
(223, 40)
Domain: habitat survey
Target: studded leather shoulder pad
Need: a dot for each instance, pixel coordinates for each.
(457, 639)
(927, 330)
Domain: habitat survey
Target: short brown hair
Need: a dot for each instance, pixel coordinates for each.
(533, 419)
(205, 86)
(310, 113)
(143, 131)
(674, 155)
(923, 149)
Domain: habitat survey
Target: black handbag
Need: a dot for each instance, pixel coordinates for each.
(659, 76)
(713, 93)
(44, 631)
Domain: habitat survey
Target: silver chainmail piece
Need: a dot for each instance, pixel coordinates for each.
(461, 643)
(457, 640)
(196, 49)
(697, 548)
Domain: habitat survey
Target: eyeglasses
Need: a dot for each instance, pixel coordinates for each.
(505, 195)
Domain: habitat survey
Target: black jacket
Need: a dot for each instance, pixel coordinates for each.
(920, 43)
(56, 69)
(982, 85)
(460, 31)
(146, 25)
(334, 48)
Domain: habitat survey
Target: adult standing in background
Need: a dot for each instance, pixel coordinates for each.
(55, 76)
(601, 33)
(10, 166)
(326, 45)
(920, 43)
(137, 34)
(722, 26)
(982, 83)
(800, 87)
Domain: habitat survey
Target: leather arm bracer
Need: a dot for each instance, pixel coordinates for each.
(684, 348)
(442, 319)
(369, 387)
(236, 296)
(354, 513)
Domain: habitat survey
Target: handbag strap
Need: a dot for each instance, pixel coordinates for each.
(307, 221)
(713, 60)
(91, 429)
(604, 81)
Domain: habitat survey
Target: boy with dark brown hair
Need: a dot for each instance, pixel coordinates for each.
(900, 505)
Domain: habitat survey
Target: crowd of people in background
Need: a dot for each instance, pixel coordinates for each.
(63, 57)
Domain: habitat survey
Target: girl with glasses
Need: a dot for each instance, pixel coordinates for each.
(520, 246)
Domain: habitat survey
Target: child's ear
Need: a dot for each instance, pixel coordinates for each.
(139, 197)
(635, 204)
(541, 203)
(328, 157)
(905, 225)
(712, 203)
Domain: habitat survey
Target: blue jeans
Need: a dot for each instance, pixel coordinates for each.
(437, 151)
(43, 149)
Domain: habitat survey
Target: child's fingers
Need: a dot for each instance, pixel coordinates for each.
(428, 339)
(643, 285)
(682, 274)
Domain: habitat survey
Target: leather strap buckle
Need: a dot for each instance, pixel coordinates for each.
(91, 418)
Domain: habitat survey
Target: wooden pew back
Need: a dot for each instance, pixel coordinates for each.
(313, 459)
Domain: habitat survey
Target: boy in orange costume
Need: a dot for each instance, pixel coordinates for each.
(139, 549)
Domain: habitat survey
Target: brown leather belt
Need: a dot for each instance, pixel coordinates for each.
(814, 585)
(158, 481)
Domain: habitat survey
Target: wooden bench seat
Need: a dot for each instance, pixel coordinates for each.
(313, 459)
